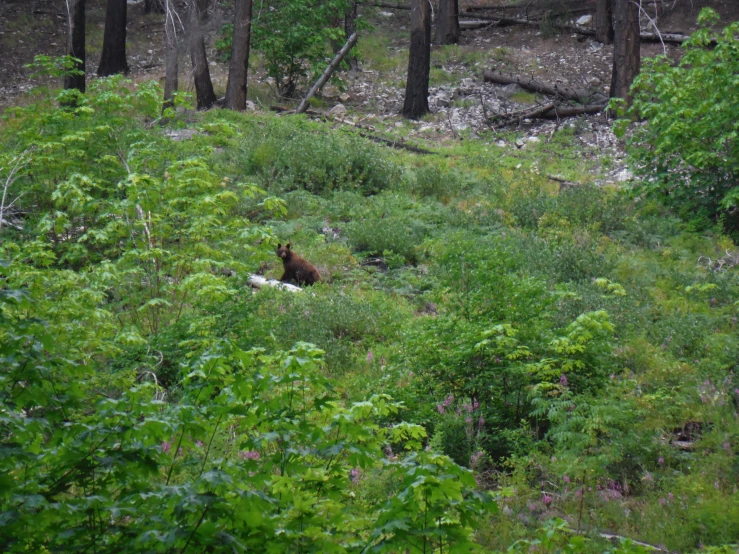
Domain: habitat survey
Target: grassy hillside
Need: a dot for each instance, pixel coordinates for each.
(575, 347)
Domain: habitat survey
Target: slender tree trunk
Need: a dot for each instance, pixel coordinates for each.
(447, 23)
(76, 42)
(154, 6)
(201, 73)
(113, 57)
(238, 70)
(350, 27)
(171, 60)
(419, 61)
(604, 21)
(626, 47)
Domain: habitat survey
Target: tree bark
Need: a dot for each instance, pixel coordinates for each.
(350, 27)
(76, 43)
(171, 60)
(419, 62)
(447, 23)
(626, 47)
(238, 70)
(604, 21)
(113, 57)
(206, 97)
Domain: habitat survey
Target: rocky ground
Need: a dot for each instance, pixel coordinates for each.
(461, 102)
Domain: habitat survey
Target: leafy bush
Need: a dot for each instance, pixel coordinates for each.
(254, 455)
(294, 37)
(688, 146)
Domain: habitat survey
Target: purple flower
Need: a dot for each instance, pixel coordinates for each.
(468, 420)
(670, 496)
(661, 461)
(166, 447)
(199, 444)
(662, 501)
(727, 447)
(547, 499)
(448, 400)
(475, 405)
(440, 408)
(566, 479)
(249, 455)
(563, 380)
(736, 391)
(370, 356)
(354, 474)
(481, 421)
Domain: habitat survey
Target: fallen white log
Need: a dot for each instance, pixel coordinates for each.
(257, 281)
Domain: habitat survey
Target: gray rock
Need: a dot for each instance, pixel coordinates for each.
(338, 109)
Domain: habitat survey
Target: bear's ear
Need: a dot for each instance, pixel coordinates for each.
(288, 246)
(279, 245)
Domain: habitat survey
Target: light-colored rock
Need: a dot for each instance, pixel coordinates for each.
(338, 109)
(624, 175)
(250, 106)
(533, 140)
(585, 20)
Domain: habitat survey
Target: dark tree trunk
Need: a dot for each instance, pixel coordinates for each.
(350, 27)
(201, 73)
(171, 60)
(626, 47)
(238, 71)
(419, 62)
(447, 24)
(154, 6)
(604, 21)
(113, 57)
(76, 43)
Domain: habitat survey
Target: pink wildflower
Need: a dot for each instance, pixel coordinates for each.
(440, 408)
(354, 474)
(661, 461)
(249, 455)
(547, 499)
(566, 479)
(662, 501)
(563, 380)
(370, 356)
(166, 447)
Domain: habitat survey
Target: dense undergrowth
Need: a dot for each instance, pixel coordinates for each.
(572, 352)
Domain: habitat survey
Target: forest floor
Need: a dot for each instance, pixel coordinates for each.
(460, 101)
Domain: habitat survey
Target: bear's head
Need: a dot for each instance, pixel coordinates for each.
(283, 252)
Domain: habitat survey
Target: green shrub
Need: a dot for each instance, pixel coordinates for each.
(687, 150)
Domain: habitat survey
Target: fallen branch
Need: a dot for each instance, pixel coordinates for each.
(563, 183)
(385, 5)
(672, 38)
(329, 71)
(257, 282)
(528, 113)
(570, 93)
(562, 112)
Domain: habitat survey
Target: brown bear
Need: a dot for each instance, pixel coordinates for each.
(296, 268)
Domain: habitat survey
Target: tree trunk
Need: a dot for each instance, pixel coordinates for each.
(604, 21)
(238, 71)
(326, 75)
(171, 61)
(626, 47)
(76, 43)
(154, 6)
(350, 27)
(419, 62)
(200, 71)
(447, 23)
(113, 57)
